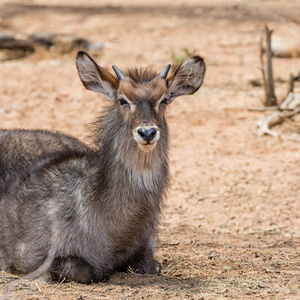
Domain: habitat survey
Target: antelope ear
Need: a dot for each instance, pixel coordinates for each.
(187, 78)
(94, 77)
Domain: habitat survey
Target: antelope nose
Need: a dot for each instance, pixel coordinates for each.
(147, 134)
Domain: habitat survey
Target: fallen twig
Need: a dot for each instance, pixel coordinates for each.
(15, 46)
(273, 108)
(289, 108)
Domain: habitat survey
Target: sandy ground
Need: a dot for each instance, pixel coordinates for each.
(231, 224)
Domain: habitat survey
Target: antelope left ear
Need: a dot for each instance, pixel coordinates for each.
(94, 77)
(187, 78)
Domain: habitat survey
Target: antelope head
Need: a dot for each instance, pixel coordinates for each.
(142, 95)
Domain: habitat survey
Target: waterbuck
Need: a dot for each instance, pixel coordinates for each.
(19, 148)
(85, 215)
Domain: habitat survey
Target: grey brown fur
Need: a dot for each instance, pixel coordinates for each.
(20, 147)
(98, 210)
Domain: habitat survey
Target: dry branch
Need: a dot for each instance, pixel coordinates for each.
(272, 108)
(262, 64)
(16, 46)
(290, 106)
(265, 123)
(271, 98)
(293, 78)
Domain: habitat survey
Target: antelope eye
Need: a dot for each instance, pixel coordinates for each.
(122, 101)
(165, 101)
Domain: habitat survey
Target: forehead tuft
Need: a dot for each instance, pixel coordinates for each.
(141, 75)
(144, 90)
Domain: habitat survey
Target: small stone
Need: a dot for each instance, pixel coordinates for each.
(262, 285)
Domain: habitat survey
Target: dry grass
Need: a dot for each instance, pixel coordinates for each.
(232, 267)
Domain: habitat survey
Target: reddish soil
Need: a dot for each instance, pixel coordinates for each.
(231, 223)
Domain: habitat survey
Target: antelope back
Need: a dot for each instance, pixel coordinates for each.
(20, 147)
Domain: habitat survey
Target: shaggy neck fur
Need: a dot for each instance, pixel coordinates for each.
(123, 166)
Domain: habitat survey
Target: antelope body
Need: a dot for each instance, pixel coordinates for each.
(20, 148)
(95, 212)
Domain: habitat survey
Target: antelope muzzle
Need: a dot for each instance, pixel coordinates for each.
(146, 136)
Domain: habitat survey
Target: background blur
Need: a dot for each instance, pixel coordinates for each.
(231, 225)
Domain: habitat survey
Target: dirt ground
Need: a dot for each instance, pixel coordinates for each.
(231, 223)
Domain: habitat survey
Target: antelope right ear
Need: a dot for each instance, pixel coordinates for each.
(94, 77)
(187, 78)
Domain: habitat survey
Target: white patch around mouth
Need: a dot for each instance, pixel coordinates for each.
(143, 145)
(147, 147)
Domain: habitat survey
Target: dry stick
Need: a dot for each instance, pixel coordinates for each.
(266, 122)
(279, 108)
(292, 82)
(283, 112)
(289, 98)
(293, 113)
(262, 64)
(271, 100)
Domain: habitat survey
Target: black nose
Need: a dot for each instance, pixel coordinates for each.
(147, 134)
